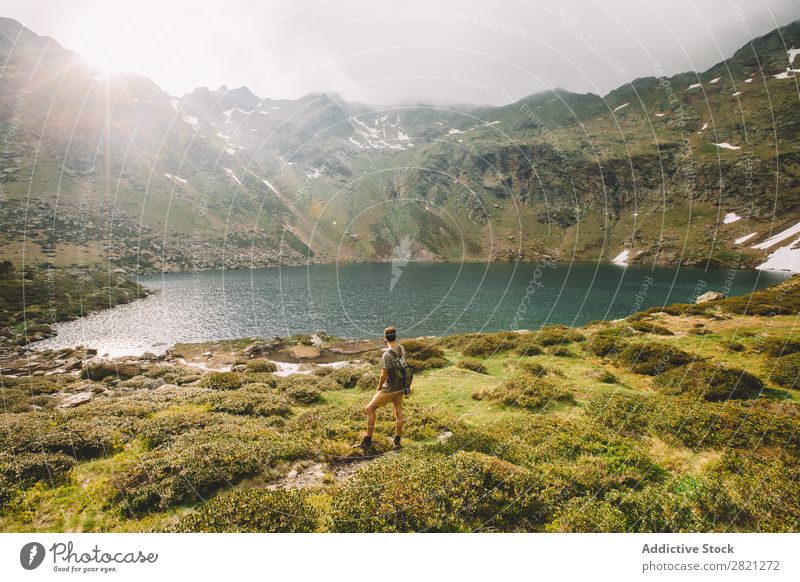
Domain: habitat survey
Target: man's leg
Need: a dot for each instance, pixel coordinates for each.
(377, 401)
(398, 414)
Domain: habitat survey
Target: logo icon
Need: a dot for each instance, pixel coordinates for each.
(31, 555)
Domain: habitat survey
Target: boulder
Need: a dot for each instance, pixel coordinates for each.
(72, 400)
(710, 296)
(256, 349)
(98, 368)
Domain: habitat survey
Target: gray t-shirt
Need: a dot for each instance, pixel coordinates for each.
(387, 361)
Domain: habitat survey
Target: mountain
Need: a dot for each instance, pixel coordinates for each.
(661, 170)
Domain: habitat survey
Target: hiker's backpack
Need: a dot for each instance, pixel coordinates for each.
(400, 374)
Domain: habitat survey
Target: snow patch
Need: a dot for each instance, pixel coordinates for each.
(230, 151)
(232, 176)
(748, 80)
(726, 146)
(712, 81)
(705, 126)
(736, 94)
(745, 238)
(780, 237)
(620, 107)
(660, 114)
(176, 104)
(191, 120)
(784, 259)
(787, 74)
(174, 179)
(694, 86)
(271, 187)
(792, 52)
(622, 258)
(731, 217)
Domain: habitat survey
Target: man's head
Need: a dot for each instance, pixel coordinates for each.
(390, 333)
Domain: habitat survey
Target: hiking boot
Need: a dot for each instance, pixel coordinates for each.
(365, 444)
(395, 441)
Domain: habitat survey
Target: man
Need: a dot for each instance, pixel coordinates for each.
(385, 393)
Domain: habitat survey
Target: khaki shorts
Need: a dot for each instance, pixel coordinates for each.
(382, 398)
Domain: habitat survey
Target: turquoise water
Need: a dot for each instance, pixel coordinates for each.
(359, 300)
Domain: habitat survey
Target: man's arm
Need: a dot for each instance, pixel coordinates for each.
(384, 377)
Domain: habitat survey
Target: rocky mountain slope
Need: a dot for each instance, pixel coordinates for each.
(698, 168)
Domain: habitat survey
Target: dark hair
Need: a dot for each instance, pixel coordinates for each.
(390, 333)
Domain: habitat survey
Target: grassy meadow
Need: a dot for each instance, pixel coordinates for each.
(681, 419)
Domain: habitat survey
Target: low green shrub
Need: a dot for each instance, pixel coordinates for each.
(551, 335)
(785, 371)
(198, 463)
(711, 382)
(252, 402)
(607, 377)
(650, 327)
(368, 381)
(19, 399)
(346, 377)
(30, 468)
(304, 389)
(222, 380)
(473, 365)
(165, 425)
(78, 434)
(261, 365)
(529, 346)
(602, 344)
(422, 349)
(653, 358)
(97, 370)
(260, 378)
(699, 424)
(588, 515)
(431, 492)
(746, 492)
(532, 368)
(777, 346)
(525, 391)
(425, 364)
(252, 511)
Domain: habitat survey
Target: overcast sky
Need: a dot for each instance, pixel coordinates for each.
(389, 52)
